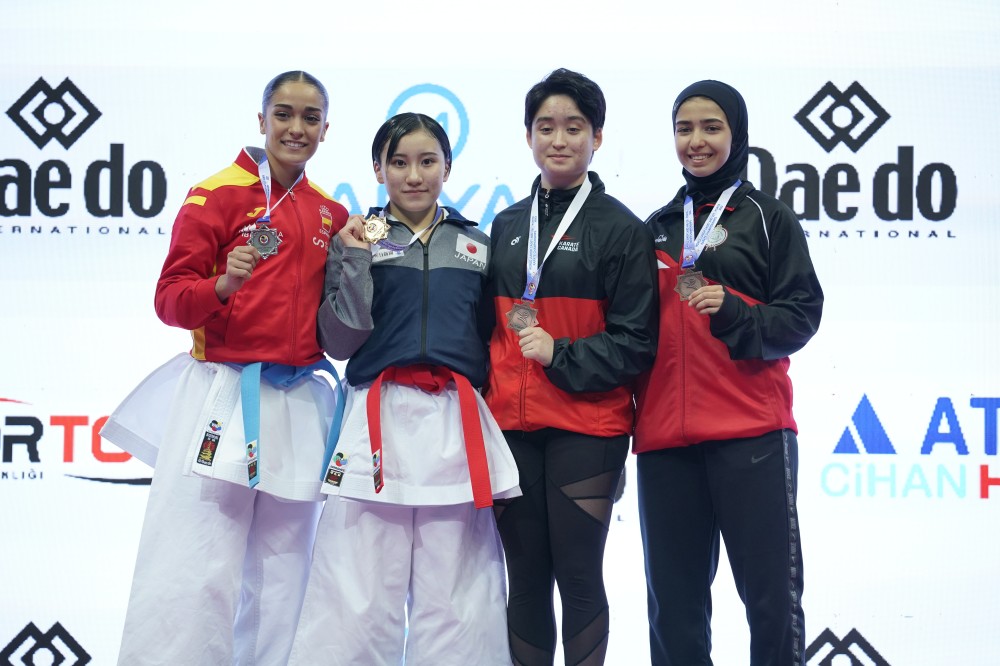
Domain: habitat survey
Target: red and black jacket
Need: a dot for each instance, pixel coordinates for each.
(725, 376)
(597, 299)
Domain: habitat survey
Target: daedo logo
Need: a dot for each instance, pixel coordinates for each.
(850, 117)
(45, 113)
(870, 465)
(32, 647)
(64, 114)
(447, 109)
(898, 191)
(28, 447)
(827, 647)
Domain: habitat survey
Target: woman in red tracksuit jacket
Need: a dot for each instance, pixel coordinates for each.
(227, 538)
(715, 436)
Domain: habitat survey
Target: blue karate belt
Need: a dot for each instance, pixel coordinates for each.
(285, 376)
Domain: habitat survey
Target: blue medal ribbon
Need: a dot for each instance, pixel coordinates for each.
(533, 267)
(693, 247)
(267, 240)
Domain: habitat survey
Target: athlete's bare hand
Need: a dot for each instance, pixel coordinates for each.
(536, 345)
(353, 233)
(708, 299)
(240, 264)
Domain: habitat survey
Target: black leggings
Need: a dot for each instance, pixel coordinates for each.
(555, 533)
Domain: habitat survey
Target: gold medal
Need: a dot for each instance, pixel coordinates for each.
(689, 282)
(521, 316)
(376, 229)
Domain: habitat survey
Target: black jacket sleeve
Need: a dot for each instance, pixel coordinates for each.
(791, 313)
(626, 347)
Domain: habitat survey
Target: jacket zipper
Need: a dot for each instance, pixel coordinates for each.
(683, 362)
(423, 306)
(524, 392)
(298, 278)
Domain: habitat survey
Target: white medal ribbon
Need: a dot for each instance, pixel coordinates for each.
(693, 247)
(264, 172)
(534, 268)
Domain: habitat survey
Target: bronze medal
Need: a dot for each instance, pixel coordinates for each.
(689, 282)
(376, 229)
(521, 316)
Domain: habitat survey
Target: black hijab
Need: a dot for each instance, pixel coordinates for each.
(732, 104)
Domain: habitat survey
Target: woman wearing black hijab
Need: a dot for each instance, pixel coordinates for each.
(715, 435)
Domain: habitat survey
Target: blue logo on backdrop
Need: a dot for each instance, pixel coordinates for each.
(445, 107)
(881, 469)
(458, 132)
(870, 432)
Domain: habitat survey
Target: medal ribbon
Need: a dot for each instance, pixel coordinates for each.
(396, 247)
(280, 375)
(534, 268)
(693, 247)
(264, 172)
(434, 379)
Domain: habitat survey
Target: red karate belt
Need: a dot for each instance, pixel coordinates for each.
(433, 379)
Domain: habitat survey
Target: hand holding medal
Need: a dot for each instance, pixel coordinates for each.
(689, 282)
(353, 233)
(708, 299)
(240, 264)
(536, 344)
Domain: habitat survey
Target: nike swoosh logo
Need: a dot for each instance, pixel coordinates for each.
(756, 459)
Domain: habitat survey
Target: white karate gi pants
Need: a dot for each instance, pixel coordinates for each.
(202, 541)
(393, 584)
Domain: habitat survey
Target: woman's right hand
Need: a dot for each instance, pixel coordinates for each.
(240, 263)
(353, 233)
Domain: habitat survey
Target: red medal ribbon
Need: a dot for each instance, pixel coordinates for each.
(433, 379)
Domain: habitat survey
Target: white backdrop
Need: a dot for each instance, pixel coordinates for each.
(897, 396)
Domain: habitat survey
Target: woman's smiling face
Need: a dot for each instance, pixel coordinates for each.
(702, 136)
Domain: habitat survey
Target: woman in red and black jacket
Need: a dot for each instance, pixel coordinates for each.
(715, 436)
(569, 341)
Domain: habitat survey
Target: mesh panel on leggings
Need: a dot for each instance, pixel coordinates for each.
(526, 654)
(590, 646)
(593, 495)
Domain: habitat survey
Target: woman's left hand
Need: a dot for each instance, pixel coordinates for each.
(536, 345)
(708, 299)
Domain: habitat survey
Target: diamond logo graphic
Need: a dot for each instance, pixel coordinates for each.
(45, 113)
(857, 650)
(31, 647)
(850, 117)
